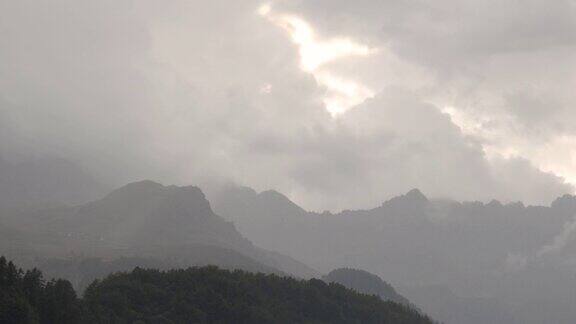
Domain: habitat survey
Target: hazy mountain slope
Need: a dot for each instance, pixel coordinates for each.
(444, 306)
(146, 219)
(327, 241)
(421, 240)
(83, 271)
(493, 252)
(143, 214)
(366, 283)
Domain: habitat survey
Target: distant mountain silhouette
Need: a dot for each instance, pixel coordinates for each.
(488, 252)
(413, 198)
(147, 220)
(502, 258)
(366, 283)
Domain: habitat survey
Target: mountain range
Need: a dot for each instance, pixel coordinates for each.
(473, 262)
(506, 257)
(163, 225)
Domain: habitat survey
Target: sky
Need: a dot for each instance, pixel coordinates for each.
(338, 104)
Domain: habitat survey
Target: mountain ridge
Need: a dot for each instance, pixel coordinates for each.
(489, 252)
(144, 218)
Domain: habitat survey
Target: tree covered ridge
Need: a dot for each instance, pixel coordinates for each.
(212, 295)
(194, 295)
(26, 297)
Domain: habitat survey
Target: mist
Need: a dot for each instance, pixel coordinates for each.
(287, 137)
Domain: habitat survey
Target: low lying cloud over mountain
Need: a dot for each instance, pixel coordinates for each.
(465, 102)
(308, 124)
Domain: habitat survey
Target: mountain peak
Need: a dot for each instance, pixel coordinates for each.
(137, 189)
(142, 185)
(494, 203)
(273, 198)
(413, 199)
(416, 195)
(273, 194)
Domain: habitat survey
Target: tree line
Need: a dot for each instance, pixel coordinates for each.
(193, 295)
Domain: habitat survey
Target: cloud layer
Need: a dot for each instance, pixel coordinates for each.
(197, 92)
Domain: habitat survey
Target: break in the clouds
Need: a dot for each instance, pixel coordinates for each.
(463, 99)
(341, 94)
(505, 71)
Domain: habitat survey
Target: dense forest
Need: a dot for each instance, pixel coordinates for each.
(194, 295)
(25, 297)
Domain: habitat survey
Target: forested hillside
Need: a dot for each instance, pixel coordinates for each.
(194, 295)
(25, 297)
(210, 295)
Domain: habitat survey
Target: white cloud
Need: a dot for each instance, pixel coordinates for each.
(505, 75)
(190, 91)
(316, 53)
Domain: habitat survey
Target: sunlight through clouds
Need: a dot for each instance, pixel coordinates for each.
(316, 53)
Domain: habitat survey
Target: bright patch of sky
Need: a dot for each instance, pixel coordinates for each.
(315, 55)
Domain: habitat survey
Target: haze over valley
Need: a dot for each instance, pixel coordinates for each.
(331, 161)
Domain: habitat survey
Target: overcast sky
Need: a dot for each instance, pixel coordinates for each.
(338, 104)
